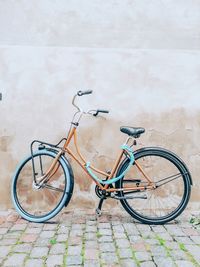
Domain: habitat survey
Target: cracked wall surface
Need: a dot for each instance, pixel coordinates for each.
(140, 58)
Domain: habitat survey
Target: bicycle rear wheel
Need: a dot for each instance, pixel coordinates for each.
(168, 199)
(35, 203)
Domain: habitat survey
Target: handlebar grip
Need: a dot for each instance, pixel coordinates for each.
(103, 110)
(80, 93)
(100, 111)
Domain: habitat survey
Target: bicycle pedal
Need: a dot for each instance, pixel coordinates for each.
(98, 212)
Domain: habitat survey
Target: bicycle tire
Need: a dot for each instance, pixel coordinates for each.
(18, 181)
(184, 173)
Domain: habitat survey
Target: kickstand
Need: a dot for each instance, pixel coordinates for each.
(98, 210)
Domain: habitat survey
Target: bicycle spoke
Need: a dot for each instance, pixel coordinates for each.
(52, 188)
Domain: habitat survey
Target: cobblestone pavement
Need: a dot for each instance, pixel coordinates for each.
(78, 238)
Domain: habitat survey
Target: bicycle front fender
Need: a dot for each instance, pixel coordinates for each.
(68, 165)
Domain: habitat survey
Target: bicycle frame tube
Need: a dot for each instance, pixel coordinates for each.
(82, 162)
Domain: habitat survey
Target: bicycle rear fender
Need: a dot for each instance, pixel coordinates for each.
(138, 151)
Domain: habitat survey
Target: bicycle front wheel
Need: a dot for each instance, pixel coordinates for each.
(35, 203)
(173, 186)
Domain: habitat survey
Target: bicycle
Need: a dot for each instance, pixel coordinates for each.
(152, 183)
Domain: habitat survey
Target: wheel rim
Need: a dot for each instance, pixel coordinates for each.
(39, 203)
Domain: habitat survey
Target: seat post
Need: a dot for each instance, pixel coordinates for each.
(129, 138)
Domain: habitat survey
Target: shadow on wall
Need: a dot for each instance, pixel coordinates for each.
(100, 141)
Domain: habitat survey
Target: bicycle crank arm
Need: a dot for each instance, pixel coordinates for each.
(129, 197)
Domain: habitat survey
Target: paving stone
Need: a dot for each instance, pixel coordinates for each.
(105, 238)
(174, 230)
(12, 235)
(74, 241)
(194, 250)
(57, 249)
(73, 260)
(164, 262)
(196, 239)
(34, 263)
(105, 231)
(108, 247)
(118, 229)
(54, 260)
(147, 264)
(63, 229)
(91, 244)
(172, 245)
(90, 236)
(47, 234)
(33, 230)
(119, 235)
(91, 263)
(12, 218)
(7, 225)
(104, 226)
(184, 239)
(139, 246)
(131, 229)
(158, 251)
(91, 229)
(165, 236)
(143, 256)
(75, 232)
(135, 238)
(91, 254)
(128, 263)
(109, 258)
(77, 227)
(9, 241)
(3, 231)
(91, 223)
(15, 259)
(49, 227)
(4, 250)
(41, 242)
(158, 229)
(143, 227)
(181, 263)
(125, 253)
(26, 248)
(74, 250)
(35, 225)
(122, 243)
(19, 227)
(27, 238)
(152, 241)
(149, 234)
(61, 238)
(190, 232)
(39, 252)
(178, 254)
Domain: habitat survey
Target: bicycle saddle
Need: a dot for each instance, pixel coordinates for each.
(132, 131)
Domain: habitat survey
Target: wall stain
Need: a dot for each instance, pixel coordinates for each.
(100, 143)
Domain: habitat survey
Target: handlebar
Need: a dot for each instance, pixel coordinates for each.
(80, 93)
(92, 112)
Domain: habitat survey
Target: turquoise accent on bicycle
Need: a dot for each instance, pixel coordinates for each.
(129, 150)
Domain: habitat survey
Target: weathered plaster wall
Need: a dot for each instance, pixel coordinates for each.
(141, 58)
